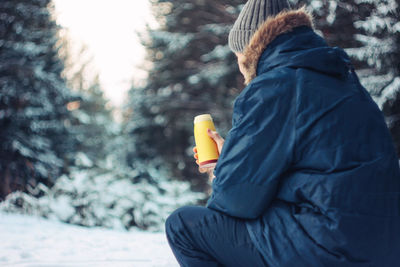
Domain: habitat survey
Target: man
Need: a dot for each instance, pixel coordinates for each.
(308, 174)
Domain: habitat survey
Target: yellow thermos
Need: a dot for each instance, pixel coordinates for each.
(207, 149)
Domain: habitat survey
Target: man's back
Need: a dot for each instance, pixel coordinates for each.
(339, 201)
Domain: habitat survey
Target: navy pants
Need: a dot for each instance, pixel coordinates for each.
(202, 237)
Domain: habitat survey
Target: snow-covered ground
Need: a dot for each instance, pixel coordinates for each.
(31, 241)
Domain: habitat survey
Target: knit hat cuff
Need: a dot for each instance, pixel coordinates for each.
(238, 39)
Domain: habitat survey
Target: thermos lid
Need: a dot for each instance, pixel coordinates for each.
(203, 117)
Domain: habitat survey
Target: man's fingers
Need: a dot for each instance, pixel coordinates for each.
(214, 135)
(195, 149)
(202, 170)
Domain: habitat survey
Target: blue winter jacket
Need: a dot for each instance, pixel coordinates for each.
(309, 161)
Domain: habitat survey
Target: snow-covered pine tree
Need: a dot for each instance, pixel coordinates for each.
(33, 97)
(379, 36)
(193, 72)
(333, 20)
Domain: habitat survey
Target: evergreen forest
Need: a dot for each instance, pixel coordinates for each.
(62, 153)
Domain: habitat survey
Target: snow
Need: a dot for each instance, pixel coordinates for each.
(217, 29)
(32, 241)
(332, 12)
(220, 52)
(175, 41)
(116, 198)
(389, 92)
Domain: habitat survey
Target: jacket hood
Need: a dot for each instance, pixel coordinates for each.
(291, 42)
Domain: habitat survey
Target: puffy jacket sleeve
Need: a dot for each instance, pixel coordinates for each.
(258, 150)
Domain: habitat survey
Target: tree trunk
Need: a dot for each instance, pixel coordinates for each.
(5, 188)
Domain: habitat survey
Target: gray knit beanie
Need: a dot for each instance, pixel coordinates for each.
(253, 14)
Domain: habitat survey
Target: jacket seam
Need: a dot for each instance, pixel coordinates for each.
(296, 112)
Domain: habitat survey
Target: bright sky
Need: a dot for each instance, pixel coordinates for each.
(108, 28)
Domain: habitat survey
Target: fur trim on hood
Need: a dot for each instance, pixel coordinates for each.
(283, 22)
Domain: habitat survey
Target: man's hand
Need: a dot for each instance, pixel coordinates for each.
(217, 138)
(220, 143)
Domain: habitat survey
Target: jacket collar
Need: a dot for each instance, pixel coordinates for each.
(284, 22)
